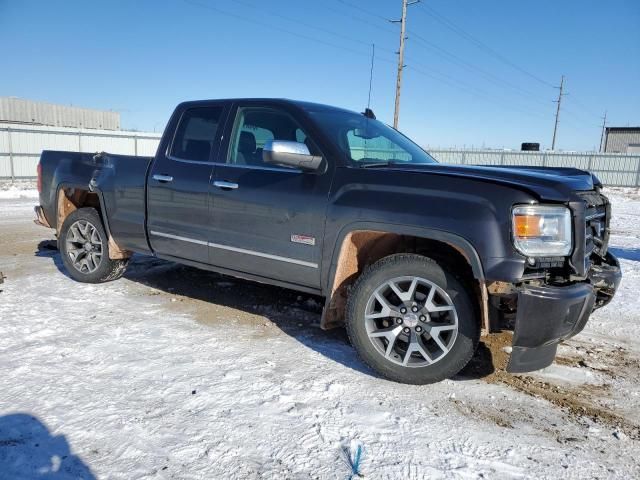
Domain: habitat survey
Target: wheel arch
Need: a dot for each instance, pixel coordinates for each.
(363, 243)
(70, 197)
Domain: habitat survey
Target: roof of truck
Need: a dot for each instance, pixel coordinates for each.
(309, 106)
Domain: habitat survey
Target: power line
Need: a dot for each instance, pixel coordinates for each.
(469, 66)
(454, 58)
(365, 11)
(360, 19)
(310, 25)
(463, 33)
(280, 29)
(585, 108)
(466, 35)
(475, 92)
(579, 118)
(442, 78)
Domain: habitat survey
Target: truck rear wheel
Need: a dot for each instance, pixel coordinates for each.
(411, 320)
(84, 246)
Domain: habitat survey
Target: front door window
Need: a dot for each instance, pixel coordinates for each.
(256, 126)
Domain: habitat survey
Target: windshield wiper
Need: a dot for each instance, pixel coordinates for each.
(378, 164)
(395, 163)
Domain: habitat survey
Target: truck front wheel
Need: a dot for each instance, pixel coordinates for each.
(84, 246)
(411, 320)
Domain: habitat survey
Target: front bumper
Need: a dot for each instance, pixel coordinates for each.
(546, 315)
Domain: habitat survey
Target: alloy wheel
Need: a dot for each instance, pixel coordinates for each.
(411, 321)
(84, 246)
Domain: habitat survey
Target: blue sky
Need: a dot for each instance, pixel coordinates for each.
(479, 73)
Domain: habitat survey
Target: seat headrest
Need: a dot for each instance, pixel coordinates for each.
(197, 150)
(247, 143)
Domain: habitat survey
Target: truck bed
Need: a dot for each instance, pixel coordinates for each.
(118, 180)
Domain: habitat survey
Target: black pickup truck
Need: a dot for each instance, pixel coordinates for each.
(415, 258)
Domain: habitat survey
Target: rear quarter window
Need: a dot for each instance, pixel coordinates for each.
(196, 134)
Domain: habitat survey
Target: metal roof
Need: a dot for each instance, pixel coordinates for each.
(623, 129)
(19, 110)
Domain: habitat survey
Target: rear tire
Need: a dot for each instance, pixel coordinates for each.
(84, 246)
(411, 320)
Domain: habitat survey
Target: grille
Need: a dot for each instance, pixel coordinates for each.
(597, 216)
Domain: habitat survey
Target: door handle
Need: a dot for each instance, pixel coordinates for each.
(163, 178)
(225, 185)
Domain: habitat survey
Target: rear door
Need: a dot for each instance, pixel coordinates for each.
(179, 183)
(268, 220)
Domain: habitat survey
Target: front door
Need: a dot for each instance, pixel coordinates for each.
(268, 220)
(179, 183)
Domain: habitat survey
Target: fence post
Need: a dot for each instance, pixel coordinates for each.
(135, 144)
(79, 140)
(544, 159)
(464, 158)
(502, 158)
(590, 165)
(12, 167)
(638, 174)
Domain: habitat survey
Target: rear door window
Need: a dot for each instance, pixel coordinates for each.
(196, 134)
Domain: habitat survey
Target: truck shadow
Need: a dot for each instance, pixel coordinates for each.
(632, 254)
(49, 249)
(294, 313)
(29, 451)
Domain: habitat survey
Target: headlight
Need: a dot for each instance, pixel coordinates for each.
(542, 230)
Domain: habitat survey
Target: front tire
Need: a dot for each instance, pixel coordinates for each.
(411, 320)
(84, 246)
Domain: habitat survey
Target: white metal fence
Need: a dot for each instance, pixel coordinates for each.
(21, 145)
(611, 168)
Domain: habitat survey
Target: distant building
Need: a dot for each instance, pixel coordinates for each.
(18, 110)
(622, 140)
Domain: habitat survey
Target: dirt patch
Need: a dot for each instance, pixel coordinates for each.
(490, 358)
(615, 362)
(211, 314)
(213, 299)
(579, 401)
(22, 241)
(569, 361)
(499, 418)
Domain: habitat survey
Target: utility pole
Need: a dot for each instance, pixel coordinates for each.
(401, 65)
(559, 101)
(604, 126)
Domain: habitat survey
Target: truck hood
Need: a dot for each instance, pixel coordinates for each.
(547, 183)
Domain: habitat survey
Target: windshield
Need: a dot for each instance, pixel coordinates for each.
(367, 141)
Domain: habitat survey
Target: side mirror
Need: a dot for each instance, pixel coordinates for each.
(290, 154)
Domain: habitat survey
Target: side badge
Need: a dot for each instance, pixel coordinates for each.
(305, 239)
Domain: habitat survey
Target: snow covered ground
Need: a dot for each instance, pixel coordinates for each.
(172, 372)
(25, 189)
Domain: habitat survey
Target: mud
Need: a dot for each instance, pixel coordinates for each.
(212, 298)
(500, 418)
(582, 401)
(614, 361)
